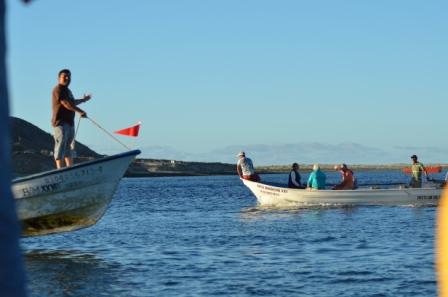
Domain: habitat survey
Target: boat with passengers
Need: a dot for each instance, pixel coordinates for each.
(275, 194)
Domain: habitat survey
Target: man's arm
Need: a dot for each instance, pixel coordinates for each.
(71, 106)
(84, 99)
(310, 178)
(238, 169)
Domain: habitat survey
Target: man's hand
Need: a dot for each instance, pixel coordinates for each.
(87, 97)
(83, 114)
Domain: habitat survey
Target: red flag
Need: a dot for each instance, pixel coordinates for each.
(131, 131)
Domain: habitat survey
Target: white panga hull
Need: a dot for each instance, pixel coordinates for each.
(274, 195)
(70, 198)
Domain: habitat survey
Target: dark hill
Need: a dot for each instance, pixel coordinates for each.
(31, 139)
(32, 148)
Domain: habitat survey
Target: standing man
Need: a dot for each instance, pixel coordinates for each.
(245, 168)
(64, 106)
(416, 169)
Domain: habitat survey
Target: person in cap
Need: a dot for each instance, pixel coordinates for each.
(316, 179)
(294, 178)
(245, 168)
(348, 181)
(417, 169)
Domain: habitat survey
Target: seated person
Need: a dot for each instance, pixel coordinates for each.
(294, 178)
(316, 180)
(348, 179)
(245, 168)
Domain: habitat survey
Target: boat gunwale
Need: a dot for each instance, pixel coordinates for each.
(343, 191)
(76, 166)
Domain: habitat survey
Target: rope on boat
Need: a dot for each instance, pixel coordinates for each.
(108, 133)
(73, 144)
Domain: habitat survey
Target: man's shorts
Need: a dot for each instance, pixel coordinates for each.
(415, 183)
(63, 137)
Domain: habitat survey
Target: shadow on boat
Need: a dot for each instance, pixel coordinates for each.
(70, 273)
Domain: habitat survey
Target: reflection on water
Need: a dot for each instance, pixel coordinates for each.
(274, 212)
(268, 213)
(70, 273)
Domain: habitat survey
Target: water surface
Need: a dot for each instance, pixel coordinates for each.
(205, 236)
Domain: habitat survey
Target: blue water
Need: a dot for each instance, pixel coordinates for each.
(205, 236)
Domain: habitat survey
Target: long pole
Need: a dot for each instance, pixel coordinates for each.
(108, 133)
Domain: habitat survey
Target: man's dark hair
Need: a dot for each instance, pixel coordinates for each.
(66, 71)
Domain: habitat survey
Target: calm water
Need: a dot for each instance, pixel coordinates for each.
(205, 236)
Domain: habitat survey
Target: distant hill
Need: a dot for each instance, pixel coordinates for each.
(29, 138)
(32, 148)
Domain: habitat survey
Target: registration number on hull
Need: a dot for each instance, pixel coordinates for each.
(428, 197)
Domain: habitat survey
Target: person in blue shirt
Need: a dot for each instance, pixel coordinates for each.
(316, 180)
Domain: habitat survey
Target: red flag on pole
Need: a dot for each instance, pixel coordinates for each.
(131, 131)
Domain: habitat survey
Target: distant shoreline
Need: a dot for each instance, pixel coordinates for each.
(167, 168)
(30, 163)
(31, 153)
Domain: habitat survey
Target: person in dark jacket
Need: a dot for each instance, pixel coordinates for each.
(294, 178)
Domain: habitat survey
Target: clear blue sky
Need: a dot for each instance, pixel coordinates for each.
(206, 75)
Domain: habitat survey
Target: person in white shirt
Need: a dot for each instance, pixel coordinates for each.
(245, 168)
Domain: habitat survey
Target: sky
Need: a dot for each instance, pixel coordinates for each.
(287, 81)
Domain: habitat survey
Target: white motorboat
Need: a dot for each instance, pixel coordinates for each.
(276, 195)
(70, 198)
